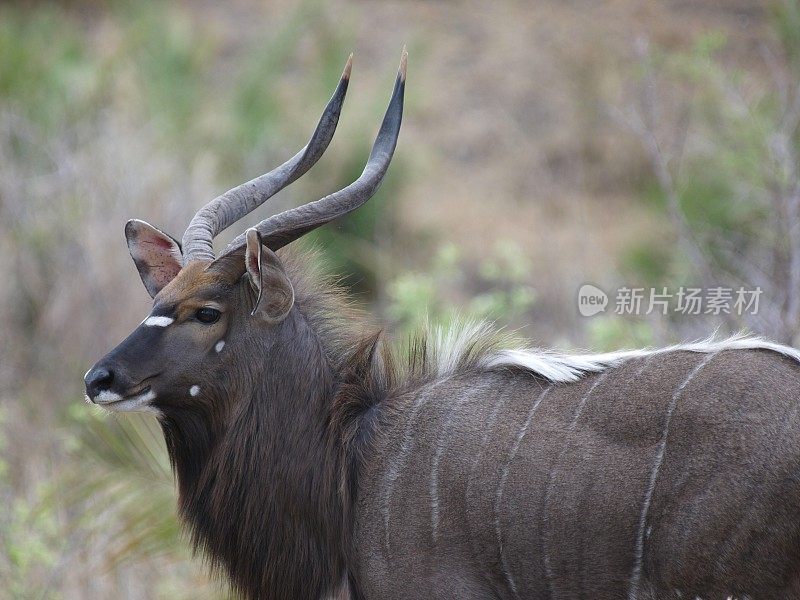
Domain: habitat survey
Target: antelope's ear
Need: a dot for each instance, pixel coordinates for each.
(275, 294)
(157, 256)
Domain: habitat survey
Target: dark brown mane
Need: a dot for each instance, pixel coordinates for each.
(271, 507)
(330, 311)
(275, 514)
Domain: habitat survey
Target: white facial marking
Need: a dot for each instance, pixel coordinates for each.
(146, 397)
(220, 345)
(85, 375)
(117, 403)
(194, 390)
(106, 396)
(158, 321)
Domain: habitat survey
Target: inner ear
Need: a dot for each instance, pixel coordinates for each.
(157, 256)
(252, 262)
(275, 293)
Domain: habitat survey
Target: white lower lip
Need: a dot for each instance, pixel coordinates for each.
(117, 403)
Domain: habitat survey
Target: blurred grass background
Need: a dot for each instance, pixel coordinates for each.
(545, 145)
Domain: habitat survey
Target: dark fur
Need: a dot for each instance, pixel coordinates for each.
(259, 481)
(282, 461)
(268, 467)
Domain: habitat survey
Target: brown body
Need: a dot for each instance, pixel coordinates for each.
(564, 522)
(312, 462)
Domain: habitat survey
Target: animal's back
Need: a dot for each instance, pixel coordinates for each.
(666, 473)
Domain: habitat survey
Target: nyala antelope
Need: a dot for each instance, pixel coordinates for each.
(311, 461)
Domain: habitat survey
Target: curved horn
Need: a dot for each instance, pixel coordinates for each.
(285, 227)
(234, 204)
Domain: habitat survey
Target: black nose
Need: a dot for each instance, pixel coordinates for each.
(98, 380)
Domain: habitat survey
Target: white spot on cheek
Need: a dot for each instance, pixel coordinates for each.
(220, 345)
(150, 395)
(158, 321)
(194, 390)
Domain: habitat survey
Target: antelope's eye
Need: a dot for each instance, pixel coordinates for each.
(207, 315)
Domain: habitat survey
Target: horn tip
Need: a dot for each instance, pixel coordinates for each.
(401, 73)
(348, 67)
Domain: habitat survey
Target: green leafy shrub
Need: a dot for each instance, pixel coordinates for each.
(418, 297)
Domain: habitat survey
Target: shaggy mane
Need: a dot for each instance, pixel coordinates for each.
(326, 305)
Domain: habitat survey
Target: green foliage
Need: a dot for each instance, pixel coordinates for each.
(31, 536)
(168, 59)
(786, 24)
(649, 262)
(45, 71)
(32, 543)
(355, 247)
(416, 297)
(612, 332)
(732, 169)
